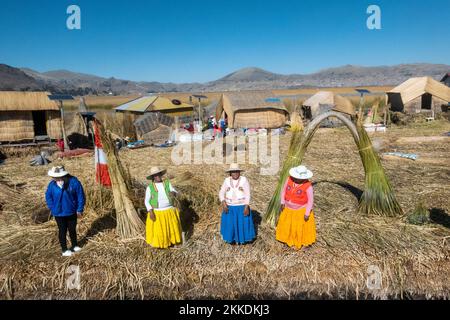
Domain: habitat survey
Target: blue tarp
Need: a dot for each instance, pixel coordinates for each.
(410, 156)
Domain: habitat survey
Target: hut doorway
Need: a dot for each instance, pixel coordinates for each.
(426, 101)
(307, 113)
(39, 123)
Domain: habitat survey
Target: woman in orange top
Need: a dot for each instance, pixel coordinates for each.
(296, 226)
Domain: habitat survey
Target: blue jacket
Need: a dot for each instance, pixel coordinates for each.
(66, 201)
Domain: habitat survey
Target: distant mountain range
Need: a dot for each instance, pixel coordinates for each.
(63, 81)
(15, 79)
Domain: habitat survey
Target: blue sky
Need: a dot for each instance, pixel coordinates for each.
(199, 40)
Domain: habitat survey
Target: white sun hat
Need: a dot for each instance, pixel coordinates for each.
(300, 172)
(156, 170)
(234, 167)
(57, 172)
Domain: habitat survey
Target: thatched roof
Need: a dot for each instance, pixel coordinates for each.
(232, 102)
(416, 87)
(252, 109)
(340, 103)
(152, 103)
(257, 100)
(323, 97)
(26, 101)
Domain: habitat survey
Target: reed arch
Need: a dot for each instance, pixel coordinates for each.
(314, 125)
(378, 196)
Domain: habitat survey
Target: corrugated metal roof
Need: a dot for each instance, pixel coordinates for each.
(137, 105)
(162, 103)
(151, 103)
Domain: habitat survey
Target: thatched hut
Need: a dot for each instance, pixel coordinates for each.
(28, 116)
(446, 79)
(324, 101)
(251, 110)
(419, 94)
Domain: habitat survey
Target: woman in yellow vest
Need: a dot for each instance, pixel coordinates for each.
(163, 219)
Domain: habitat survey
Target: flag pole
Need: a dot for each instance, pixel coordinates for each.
(96, 160)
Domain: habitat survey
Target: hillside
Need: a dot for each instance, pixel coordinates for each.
(13, 79)
(64, 81)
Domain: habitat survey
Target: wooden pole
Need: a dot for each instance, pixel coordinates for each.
(360, 111)
(386, 110)
(177, 126)
(66, 144)
(200, 115)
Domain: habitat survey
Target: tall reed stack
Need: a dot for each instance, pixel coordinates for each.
(378, 196)
(129, 224)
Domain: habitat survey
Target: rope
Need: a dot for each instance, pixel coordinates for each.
(366, 148)
(294, 157)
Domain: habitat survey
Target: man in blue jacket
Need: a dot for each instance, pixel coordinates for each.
(66, 199)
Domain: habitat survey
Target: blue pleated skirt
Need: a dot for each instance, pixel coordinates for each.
(235, 227)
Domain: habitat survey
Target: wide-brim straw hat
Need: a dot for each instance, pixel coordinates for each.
(154, 171)
(301, 172)
(57, 172)
(234, 167)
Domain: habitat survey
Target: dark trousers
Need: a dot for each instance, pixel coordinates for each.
(65, 224)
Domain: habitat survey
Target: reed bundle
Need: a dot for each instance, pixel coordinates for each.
(378, 196)
(294, 158)
(129, 224)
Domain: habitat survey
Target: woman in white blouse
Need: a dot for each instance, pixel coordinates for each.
(237, 219)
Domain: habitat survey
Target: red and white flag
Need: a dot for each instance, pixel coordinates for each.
(101, 163)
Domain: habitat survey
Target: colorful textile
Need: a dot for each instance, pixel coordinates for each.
(60, 145)
(101, 163)
(296, 196)
(236, 227)
(293, 230)
(165, 231)
(296, 193)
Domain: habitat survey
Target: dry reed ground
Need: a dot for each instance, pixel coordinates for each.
(414, 260)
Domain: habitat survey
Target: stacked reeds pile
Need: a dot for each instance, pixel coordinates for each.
(78, 125)
(129, 224)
